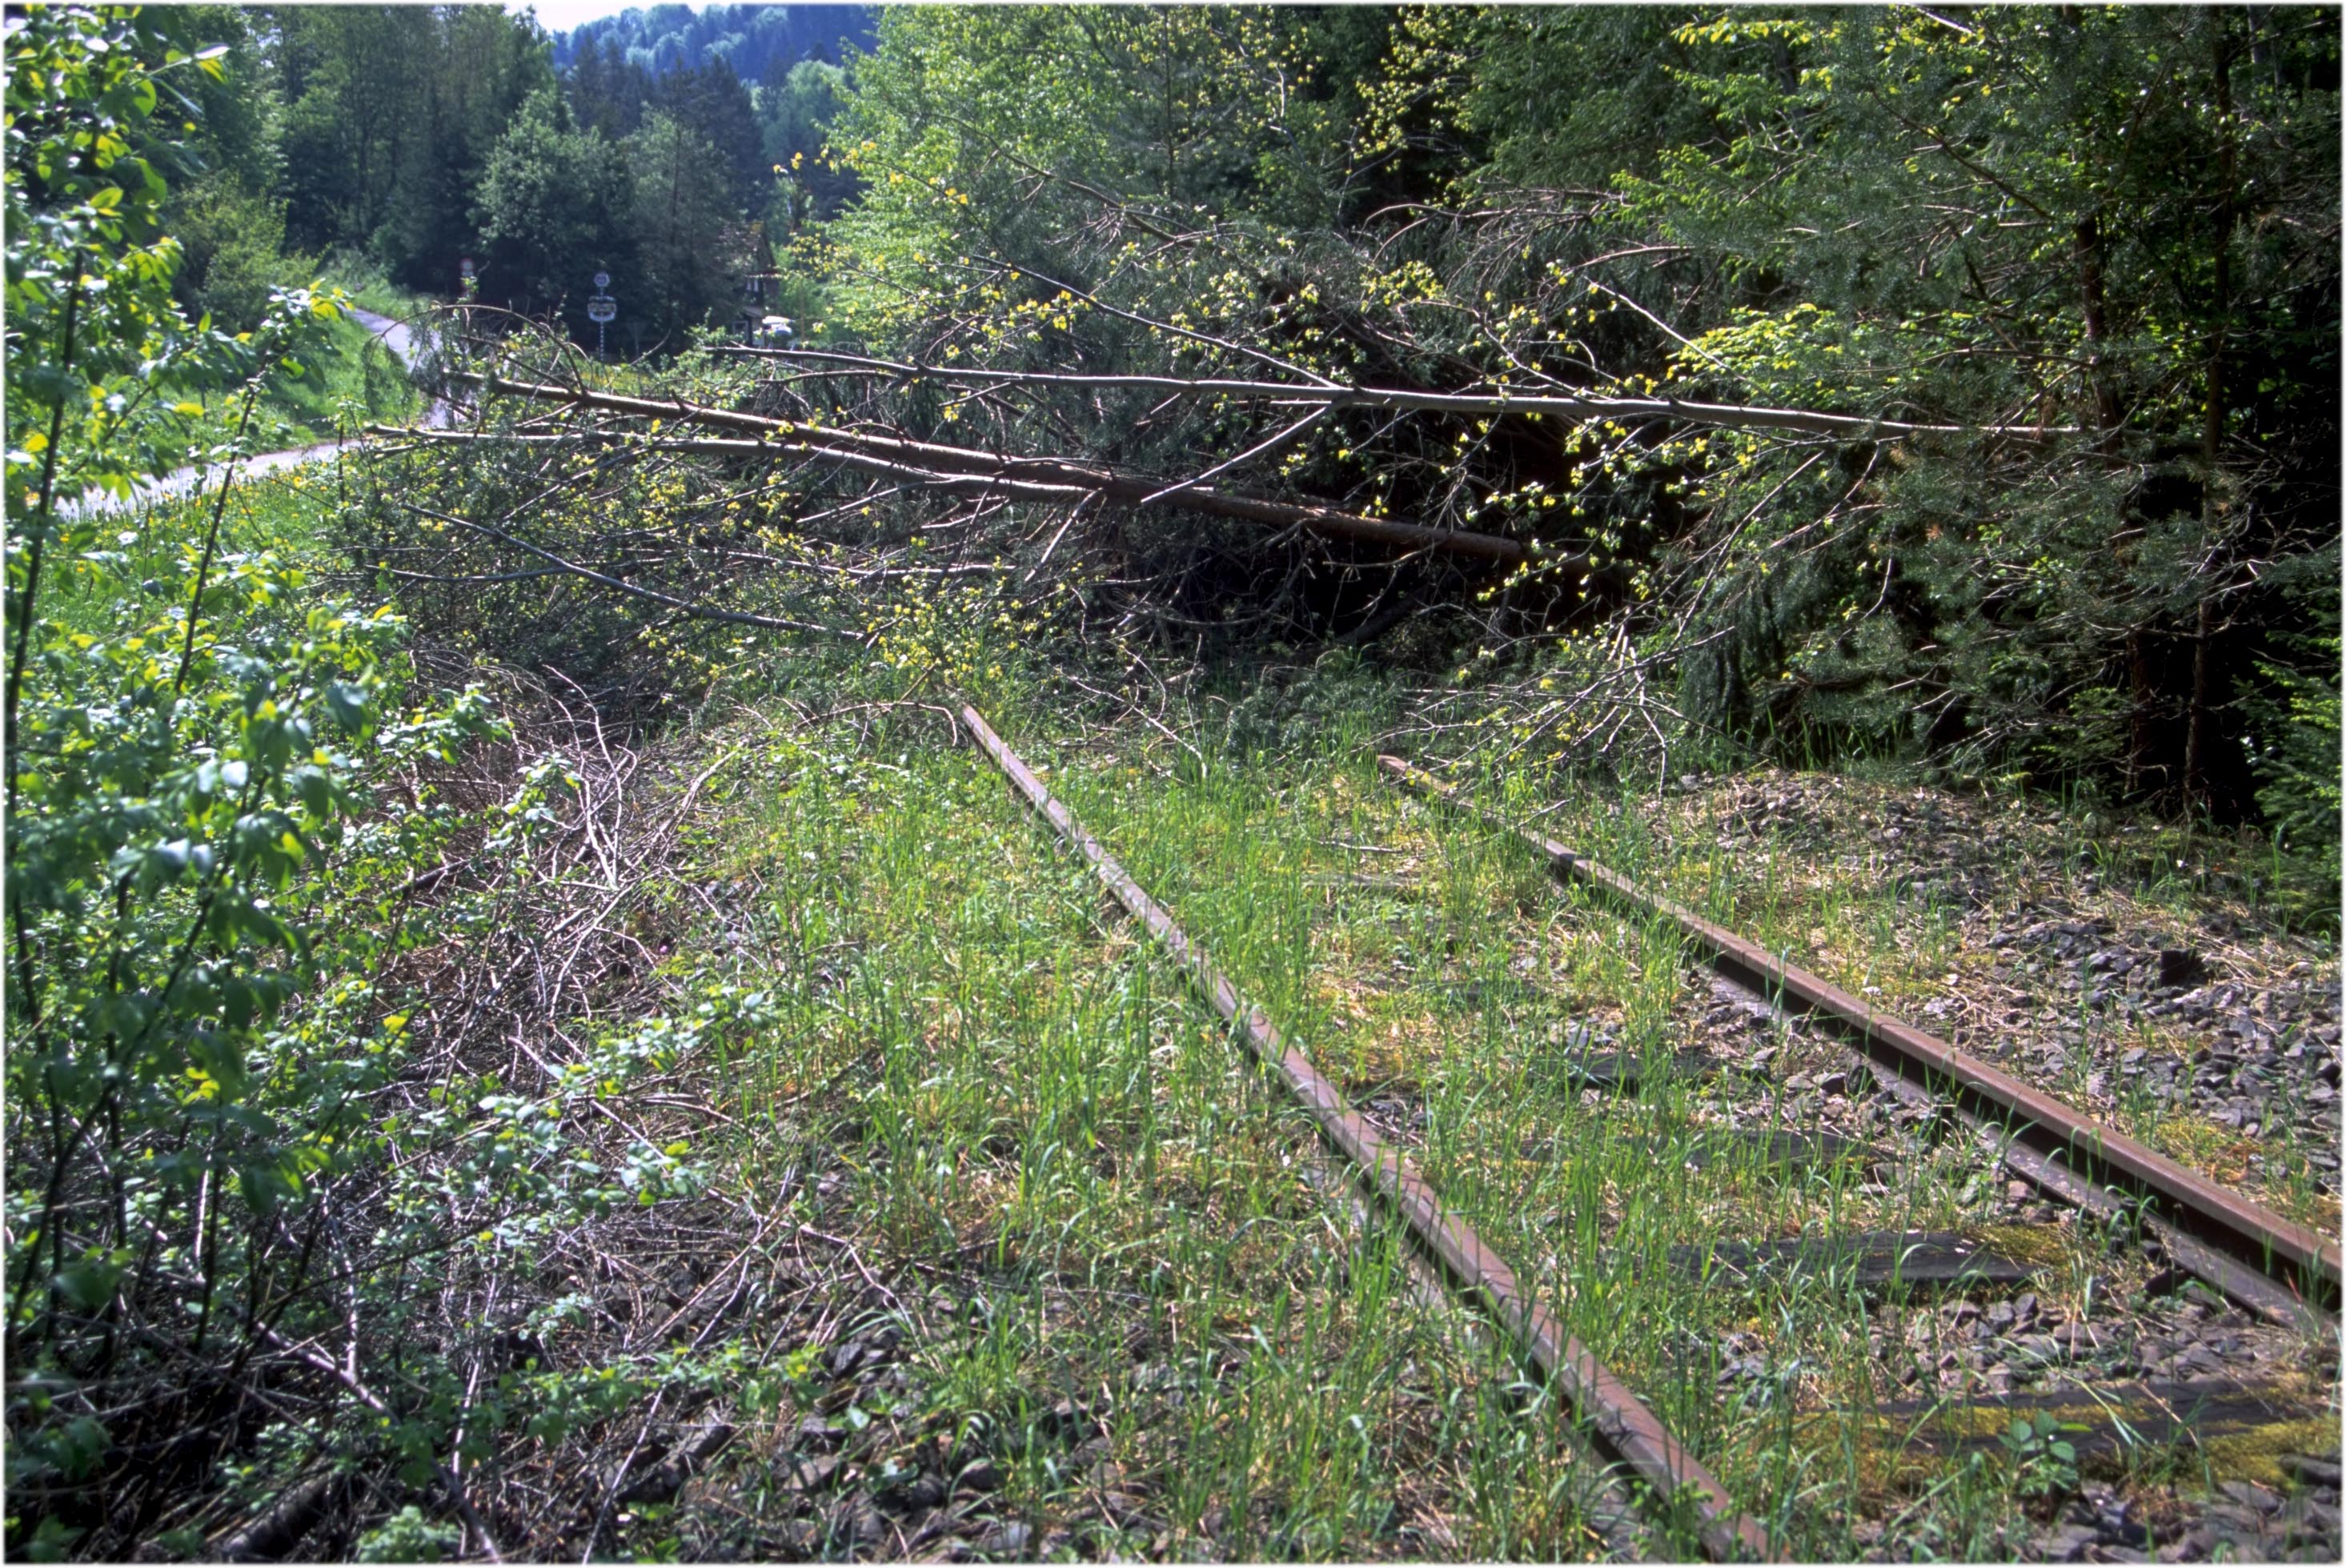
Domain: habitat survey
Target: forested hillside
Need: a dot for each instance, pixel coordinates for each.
(1990, 229)
(534, 1033)
(1444, 201)
(397, 142)
(760, 43)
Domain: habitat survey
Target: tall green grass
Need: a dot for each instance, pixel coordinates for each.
(1016, 1088)
(1015, 1096)
(352, 381)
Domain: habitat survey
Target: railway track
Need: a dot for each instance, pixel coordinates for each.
(2274, 1267)
(1618, 1422)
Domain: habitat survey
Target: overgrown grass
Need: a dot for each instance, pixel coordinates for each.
(359, 381)
(1860, 912)
(366, 282)
(1136, 1286)
(153, 553)
(1454, 984)
(989, 1076)
(994, 1077)
(1125, 1303)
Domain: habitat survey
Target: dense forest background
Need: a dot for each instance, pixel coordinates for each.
(760, 43)
(1590, 394)
(405, 139)
(2114, 224)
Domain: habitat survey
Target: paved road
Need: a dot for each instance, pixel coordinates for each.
(393, 335)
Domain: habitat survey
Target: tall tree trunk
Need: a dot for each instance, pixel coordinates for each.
(2087, 247)
(2087, 244)
(2195, 737)
(2142, 696)
(2195, 743)
(2141, 703)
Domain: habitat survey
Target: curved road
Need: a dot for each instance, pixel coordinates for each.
(393, 335)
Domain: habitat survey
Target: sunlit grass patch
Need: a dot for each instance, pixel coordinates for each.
(1003, 1087)
(1009, 1090)
(2220, 1151)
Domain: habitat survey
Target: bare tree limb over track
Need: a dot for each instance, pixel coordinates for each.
(1565, 405)
(939, 464)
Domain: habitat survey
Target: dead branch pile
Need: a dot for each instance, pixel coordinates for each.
(433, 1320)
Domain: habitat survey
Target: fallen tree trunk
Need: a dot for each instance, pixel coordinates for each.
(1567, 405)
(970, 469)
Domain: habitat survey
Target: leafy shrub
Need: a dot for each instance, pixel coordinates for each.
(2294, 748)
(197, 867)
(408, 1537)
(234, 241)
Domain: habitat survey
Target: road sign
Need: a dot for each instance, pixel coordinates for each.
(465, 267)
(602, 281)
(600, 309)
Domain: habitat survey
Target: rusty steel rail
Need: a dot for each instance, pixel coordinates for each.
(2273, 1264)
(1619, 1421)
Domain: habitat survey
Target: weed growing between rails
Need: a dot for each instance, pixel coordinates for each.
(2116, 1316)
(1106, 1307)
(1461, 996)
(2130, 966)
(1406, 988)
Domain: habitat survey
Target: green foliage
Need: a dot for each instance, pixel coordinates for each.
(196, 868)
(554, 207)
(717, 106)
(1972, 223)
(2301, 795)
(353, 80)
(2026, 216)
(2044, 1462)
(604, 90)
(392, 113)
(794, 117)
(1011, 133)
(2293, 743)
(408, 1537)
(205, 888)
(231, 130)
(688, 239)
(243, 1119)
(96, 345)
(372, 133)
(483, 65)
(1615, 78)
(365, 282)
(233, 243)
(1331, 706)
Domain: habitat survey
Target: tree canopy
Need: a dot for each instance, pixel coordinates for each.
(759, 42)
(2116, 223)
